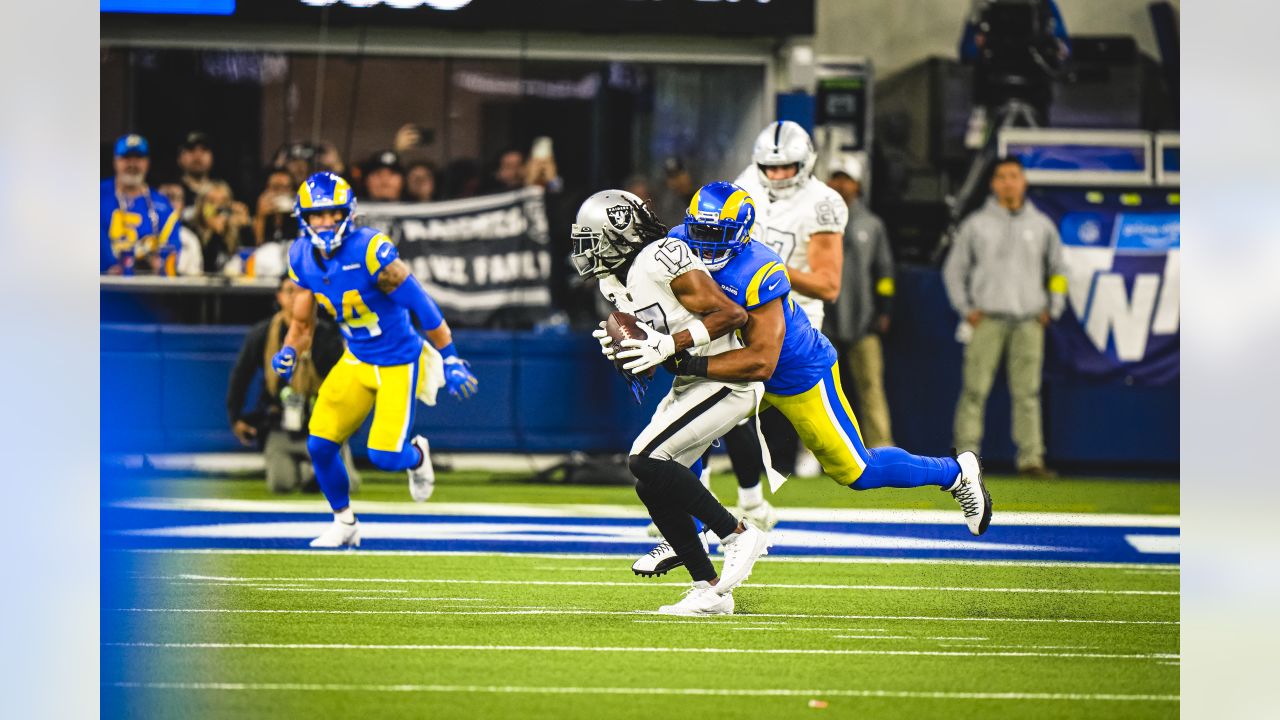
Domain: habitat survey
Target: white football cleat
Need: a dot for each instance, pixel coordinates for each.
(763, 516)
(661, 560)
(338, 535)
(422, 479)
(972, 495)
(701, 599)
(741, 550)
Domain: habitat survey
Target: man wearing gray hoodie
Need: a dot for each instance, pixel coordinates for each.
(1005, 277)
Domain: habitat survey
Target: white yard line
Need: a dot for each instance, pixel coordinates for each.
(536, 510)
(644, 584)
(902, 637)
(644, 691)
(561, 611)
(614, 558)
(590, 649)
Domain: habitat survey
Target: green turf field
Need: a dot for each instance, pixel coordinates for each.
(1009, 493)
(401, 636)
(274, 634)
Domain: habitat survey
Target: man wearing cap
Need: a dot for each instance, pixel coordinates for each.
(195, 161)
(678, 189)
(139, 228)
(384, 177)
(861, 313)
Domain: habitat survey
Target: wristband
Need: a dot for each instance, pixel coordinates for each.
(448, 351)
(698, 331)
(694, 365)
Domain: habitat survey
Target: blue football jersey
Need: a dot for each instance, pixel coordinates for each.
(377, 329)
(756, 276)
(145, 224)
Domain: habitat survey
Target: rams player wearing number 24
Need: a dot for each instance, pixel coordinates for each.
(355, 274)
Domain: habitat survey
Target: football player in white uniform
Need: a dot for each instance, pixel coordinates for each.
(617, 240)
(802, 220)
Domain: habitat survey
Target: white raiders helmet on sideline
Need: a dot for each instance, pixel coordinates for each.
(784, 143)
(611, 227)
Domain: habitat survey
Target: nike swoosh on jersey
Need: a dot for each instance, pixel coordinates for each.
(774, 285)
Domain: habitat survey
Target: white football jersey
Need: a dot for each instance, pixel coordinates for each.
(785, 225)
(647, 292)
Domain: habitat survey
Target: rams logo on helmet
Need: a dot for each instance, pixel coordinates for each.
(619, 217)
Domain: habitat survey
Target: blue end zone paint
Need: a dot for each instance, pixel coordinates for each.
(623, 536)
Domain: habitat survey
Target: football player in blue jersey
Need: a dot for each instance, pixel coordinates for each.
(797, 363)
(355, 274)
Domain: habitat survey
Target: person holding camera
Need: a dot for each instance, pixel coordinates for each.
(277, 421)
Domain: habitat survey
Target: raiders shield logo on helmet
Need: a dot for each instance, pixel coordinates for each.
(619, 217)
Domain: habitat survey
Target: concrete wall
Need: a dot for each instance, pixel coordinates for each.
(895, 34)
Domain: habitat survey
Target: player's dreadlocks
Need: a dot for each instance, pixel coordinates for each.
(647, 223)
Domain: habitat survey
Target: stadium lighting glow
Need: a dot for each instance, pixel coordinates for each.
(446, 5)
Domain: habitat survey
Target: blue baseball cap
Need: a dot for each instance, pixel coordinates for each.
(132, 144)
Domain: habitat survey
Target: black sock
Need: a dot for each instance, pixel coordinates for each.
(744, 453)
(676, 525)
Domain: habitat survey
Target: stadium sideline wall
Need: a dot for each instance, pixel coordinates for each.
(164, 389)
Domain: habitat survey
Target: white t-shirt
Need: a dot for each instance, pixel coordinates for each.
(785, 225)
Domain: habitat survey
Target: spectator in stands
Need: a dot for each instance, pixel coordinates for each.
(462, 179)
(1005, 277)
(420, 182)
(222, 228)
(671, 203)
(638, 185)
(328, 159)
(277, 421)
(297, 159)
(861, 313)
(383, 178)
(273, 221)
(195, 163)
(139, 229)
(509, 172)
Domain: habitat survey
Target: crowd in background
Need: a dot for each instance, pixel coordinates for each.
(181, 218)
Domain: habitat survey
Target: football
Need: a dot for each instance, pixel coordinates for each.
(623, 326)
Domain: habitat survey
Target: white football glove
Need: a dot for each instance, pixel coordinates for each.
(647, 353)
(606, 342)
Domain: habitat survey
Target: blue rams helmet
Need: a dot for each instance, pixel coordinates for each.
(325, 191)
(718, 221)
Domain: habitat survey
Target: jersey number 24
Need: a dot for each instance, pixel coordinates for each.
(355, 315)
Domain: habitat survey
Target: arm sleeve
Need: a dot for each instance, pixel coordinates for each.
(413, 297)
(955, 271)
(1056, 272)
(882, 271)
(247, 363)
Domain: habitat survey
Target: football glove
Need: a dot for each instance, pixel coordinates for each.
(458, 379)
(284, 362)
(648, 353)
(606, 342)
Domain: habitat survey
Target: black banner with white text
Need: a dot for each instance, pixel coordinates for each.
(485, 260)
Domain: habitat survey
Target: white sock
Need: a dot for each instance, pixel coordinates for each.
(752, 496)
(705, 478)
(345, 516)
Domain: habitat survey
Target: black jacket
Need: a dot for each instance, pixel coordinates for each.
(326, 348)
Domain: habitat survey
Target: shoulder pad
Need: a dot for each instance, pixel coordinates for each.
(763, 275)
(379, 252)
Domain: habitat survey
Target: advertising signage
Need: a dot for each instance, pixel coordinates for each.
(676, 17)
